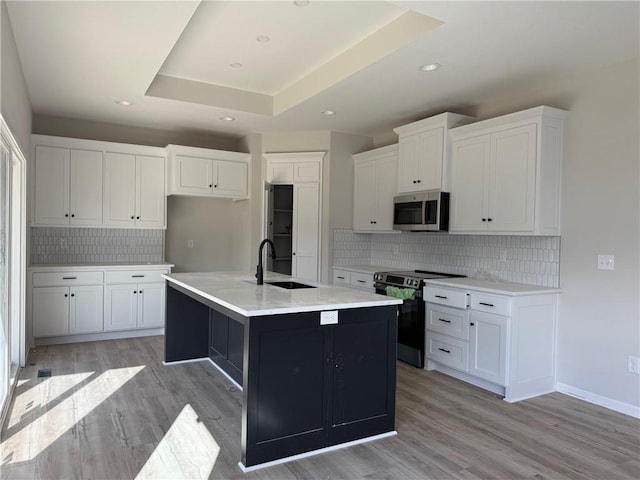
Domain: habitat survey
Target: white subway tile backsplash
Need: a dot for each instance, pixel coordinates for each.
(533, 260)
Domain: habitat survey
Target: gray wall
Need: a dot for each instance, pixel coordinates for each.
(14, 97)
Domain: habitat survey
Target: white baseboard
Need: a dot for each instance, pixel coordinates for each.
(596, 399)
(96, 337)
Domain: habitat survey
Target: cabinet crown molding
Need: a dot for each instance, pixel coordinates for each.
(294, 156)
(97, 145)
(375, 153)
(447, 120)
(173, 150)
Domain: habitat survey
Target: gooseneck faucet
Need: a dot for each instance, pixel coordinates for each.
(259, 271)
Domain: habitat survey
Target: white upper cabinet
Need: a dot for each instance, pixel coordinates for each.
(78, 182)
(505, 174)
(424, 152)
(67, 186)
(375, 184)
(208, 173)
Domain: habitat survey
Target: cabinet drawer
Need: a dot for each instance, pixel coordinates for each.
(448, 351)
(447, 320)
(485, 302)
(362, 280)
(53, 279)
(341, 277)
(135, 276)
(306, 172)
(445, 296)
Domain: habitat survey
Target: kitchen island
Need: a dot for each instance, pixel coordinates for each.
(316, 365)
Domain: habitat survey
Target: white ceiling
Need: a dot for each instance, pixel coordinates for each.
(360, 59)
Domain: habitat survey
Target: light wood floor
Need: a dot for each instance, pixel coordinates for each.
(111, 410)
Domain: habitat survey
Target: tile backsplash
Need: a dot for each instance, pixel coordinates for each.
(60, 245)
(520, 259)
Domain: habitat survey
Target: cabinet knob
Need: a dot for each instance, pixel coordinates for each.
(73, 215)
(134, 292)
(489, 219)
(138, 218)
(484, 219)
(210, 185)
(415, 181)
(66, 295)
(132, 217)
(215, 186)
(140, 292)
(293, 253)
(73, 294)
(418, 181)
(66, 214)
(375, 222)
(472, 324)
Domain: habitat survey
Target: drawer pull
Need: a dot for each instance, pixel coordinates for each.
(486, 304)
(440, 296)
(444, 320)
(361, 281)
(444, 350)
(137, 276)
(69, 278)
(341, 278)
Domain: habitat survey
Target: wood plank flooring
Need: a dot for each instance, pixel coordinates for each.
(111, 410)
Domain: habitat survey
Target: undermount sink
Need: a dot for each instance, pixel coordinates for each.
(289, 285)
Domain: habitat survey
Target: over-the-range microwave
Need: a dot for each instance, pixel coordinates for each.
(422, 212)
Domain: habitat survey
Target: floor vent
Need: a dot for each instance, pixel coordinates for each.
(44, 372)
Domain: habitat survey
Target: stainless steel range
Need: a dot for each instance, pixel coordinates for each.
(411, 317)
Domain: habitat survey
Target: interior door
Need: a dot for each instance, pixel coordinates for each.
(268, 219)
(306, 230)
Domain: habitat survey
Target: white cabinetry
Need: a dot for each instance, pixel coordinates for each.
(134, 191)
(302, 170)
(354, 278)
(208, 173)
(424, 152)
(505, 174)
(67, 186)
(375, 185)
(504, 343)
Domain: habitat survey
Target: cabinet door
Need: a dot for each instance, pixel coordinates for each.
(50, 311)
(120, 189)
(306, 230)
(512, 181)
(51, 186)
(364, 196)
(85, 195)
(488, 349)
(430, 157)
(469, 183)
(151, 305)
(121, 307)
(230, 179)
(195, 175)
(409, 153)
(150, 192)
(280, 172)
(385, 190)
(86, 310)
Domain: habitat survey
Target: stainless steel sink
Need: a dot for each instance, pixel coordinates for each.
(289, 285)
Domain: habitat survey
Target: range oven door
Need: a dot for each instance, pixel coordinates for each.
(411, 319)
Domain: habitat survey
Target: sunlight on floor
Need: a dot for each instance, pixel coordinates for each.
(186, 451)
(47, 428)
(42, 393)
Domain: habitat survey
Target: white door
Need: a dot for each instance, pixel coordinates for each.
(195, 175)
(151, 305)
(306, 230)
(150, 192)
(50, 311)
(430, 159)
(85, 193)
(469, 183)
(488, 349)
(121, 307)
(86, 309)
(512, 181)
(120, 189)
(364, 196)
(51, 186)
(385, 190)
(409, 152)
(230, 178)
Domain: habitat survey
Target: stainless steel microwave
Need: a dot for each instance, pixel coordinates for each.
(422, 212)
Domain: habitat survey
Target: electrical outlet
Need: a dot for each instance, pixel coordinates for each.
(329, 318)
(503, 254)
(395, 249)
(189, 243)
(63, 243)
(633, 364)
(605, 262)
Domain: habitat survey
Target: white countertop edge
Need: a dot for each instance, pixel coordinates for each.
(101, 266)
(361, 268)
(500, 288)
(385, 301)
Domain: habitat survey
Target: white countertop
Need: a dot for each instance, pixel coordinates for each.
(89, 266)
(238, 292)
(502, 288)
(365, 268)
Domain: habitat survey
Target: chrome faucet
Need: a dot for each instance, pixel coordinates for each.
(259, 271)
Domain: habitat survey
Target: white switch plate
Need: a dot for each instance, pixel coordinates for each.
(605, 262)
(633, 364)
(189, 243)
(395, 249)
(329, 318)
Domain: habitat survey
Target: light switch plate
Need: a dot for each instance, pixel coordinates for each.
(605, 262)
(329, 318)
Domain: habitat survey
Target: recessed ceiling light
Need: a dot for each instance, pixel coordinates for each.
(124, 103)
(430, 67)
(227, 119)
(301, 3)
(328, 112)
(235, 65)
(263, 38)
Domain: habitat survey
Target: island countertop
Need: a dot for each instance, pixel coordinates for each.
(238, 292)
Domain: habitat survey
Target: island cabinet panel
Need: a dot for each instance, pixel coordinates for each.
(226, 344)
(186, 326)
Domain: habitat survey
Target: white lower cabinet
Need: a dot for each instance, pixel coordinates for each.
(354, 279)
(66, 302)
(504, 343)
